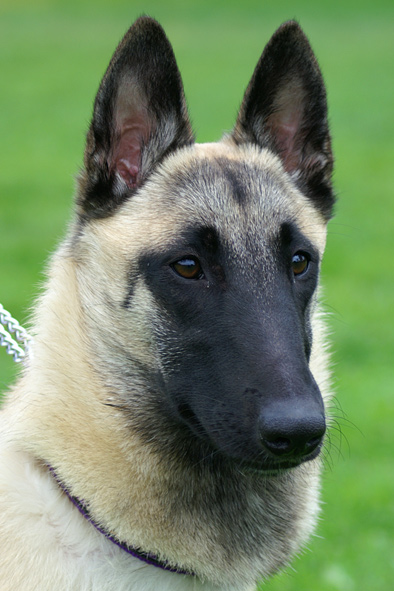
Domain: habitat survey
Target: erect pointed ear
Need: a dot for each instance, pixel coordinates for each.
(139, 116)
(285, 109)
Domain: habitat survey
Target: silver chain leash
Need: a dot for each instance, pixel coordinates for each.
(9, 326)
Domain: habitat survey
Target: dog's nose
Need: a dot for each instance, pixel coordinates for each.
(289, 437)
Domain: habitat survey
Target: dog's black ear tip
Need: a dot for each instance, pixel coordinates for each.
(290, 30)
(291, 24)
(146, 22)
(143, 28)
(290, 27)
(145, 18)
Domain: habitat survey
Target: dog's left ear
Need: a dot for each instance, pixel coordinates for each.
(139, 116)
(285, 109)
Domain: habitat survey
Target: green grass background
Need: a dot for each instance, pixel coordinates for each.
(52, 55)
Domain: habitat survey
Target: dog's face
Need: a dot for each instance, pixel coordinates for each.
(199, 264)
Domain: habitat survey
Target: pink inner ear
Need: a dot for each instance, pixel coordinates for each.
(127, 155)
(284, 128)
(127, 171)
(285, 124)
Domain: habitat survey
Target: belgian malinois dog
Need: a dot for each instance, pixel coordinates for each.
(165, 434)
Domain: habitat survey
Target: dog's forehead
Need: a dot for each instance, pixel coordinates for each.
(237, 190)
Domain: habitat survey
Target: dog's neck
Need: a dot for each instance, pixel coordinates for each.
(146, 557)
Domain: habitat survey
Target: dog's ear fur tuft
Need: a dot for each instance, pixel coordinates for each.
(285, 109)
(139, 116)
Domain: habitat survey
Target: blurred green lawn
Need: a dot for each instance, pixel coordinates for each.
(52, 55)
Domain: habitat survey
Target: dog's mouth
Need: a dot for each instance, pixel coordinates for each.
(247, 454)
(269, 467)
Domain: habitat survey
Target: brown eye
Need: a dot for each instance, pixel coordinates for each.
(300, 263)
(188, 268)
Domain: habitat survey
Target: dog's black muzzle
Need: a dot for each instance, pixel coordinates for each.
(258, 405)
(242, 381)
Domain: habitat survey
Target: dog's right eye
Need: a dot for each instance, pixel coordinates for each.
(188, 268)
(300, 263)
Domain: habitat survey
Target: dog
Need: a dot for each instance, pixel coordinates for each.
(165, 433)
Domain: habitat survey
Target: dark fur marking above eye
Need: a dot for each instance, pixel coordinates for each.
(291, 239)
(209, 239)
(200, 245)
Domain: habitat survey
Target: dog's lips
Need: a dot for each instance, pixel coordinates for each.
(259, 462)
(271, 467)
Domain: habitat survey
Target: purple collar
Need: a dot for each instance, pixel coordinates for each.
(137, 553)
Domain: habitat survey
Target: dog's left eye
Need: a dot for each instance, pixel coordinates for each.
(188, 268)
(299, 264)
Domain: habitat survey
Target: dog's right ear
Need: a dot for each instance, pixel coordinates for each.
(139, 116)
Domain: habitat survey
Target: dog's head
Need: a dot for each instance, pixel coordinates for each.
(199, 264)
